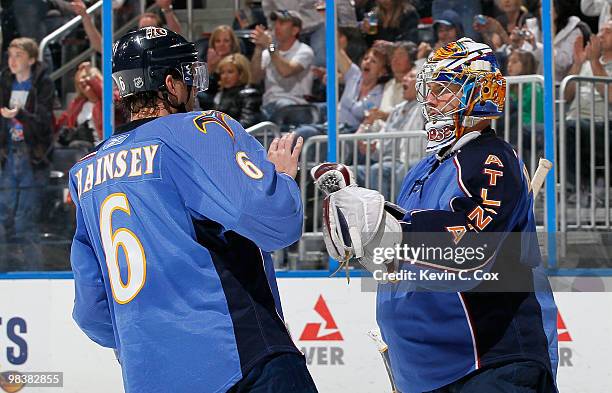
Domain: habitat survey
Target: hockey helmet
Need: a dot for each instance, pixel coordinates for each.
(143, 58)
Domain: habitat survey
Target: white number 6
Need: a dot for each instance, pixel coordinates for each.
(247, 166)
(134, 253)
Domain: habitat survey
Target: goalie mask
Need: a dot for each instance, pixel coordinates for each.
(458, 86)
(143, 58)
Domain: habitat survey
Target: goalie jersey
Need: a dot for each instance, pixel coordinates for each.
(175, 219)
(439, 332)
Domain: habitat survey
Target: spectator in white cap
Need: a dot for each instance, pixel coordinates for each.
(313, 22)
(282, 61)
(600, 8)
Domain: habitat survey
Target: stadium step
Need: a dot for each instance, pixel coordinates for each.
(206, 19)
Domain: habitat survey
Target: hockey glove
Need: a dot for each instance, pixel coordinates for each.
(354, 218)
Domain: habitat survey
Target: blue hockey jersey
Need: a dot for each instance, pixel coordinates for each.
(437, 334)
(175, 216)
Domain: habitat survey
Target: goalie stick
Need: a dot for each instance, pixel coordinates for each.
(383, 349)
(540, 175)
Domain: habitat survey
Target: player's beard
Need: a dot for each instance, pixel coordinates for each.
(181, 107)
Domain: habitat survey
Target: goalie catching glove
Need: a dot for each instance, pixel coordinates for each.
(356, 220)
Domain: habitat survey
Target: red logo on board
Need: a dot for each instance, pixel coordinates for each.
(562, 332)
(329, 332)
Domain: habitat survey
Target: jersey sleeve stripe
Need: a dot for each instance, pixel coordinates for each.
(459, 179)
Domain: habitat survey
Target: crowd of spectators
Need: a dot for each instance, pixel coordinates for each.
(36, 128)
(279, 64)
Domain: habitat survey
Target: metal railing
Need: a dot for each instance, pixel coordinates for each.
(190, 20)
(65, 28)
(265, 132)
(69, 26)
(590, 108)
(406, 148)
(520, 127)
(513, 126)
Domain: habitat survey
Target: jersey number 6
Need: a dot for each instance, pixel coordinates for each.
(132, 247)
(247, 166)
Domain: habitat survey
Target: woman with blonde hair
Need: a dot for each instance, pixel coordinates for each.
(235, 97)
(222, 42)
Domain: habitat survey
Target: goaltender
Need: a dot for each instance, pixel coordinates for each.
(454, 335)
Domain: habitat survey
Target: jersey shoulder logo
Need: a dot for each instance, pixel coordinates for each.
(213, 117)
(116, 140)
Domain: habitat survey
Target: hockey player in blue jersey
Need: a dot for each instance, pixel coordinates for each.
(447, 334)
(176, 215)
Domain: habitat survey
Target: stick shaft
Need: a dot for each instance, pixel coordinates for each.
(387, 362)
(540, 175)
